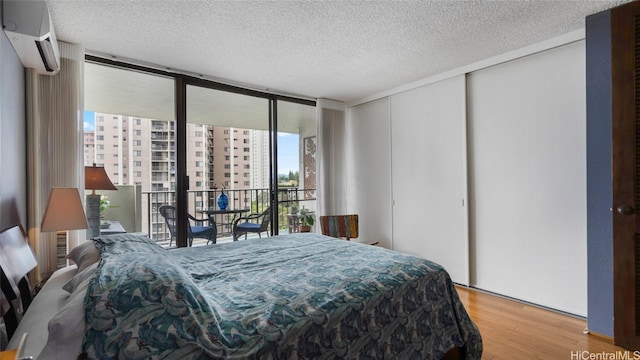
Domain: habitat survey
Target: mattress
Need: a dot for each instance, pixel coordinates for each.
(297, 296)
(286, 297)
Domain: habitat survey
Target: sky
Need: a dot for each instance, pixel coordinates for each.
(288, 153)
(288, 148)
(89, 120)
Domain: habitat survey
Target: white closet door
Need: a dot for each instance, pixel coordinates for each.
(430, 217)
(527, 125)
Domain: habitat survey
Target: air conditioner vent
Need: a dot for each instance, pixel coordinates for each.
(30, 31)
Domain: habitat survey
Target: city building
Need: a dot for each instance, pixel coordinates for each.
(141, 151)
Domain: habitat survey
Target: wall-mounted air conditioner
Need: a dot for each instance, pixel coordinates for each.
(30, 30)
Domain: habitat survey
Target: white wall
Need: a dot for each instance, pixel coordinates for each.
(127, 206)
(528, 180)
(368, 163)
(526, 175)
(13, 158)
(331, 161)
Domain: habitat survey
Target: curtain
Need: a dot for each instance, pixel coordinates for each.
(55, 106)
(330, 158)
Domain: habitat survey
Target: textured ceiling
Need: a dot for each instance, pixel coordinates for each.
(342, 50)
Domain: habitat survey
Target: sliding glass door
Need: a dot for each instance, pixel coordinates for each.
(227, 155)
(259, 151)
(170, 139)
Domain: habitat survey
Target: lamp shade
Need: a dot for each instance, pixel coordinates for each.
(64, 211)
(95, 178)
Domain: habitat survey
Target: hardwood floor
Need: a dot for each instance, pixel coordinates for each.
(514, 330)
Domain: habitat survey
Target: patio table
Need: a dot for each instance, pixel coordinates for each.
(232, 215)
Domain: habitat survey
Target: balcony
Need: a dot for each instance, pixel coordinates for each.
(160, 136)
(159, 147)
(160, 167)
(256, 200)
(161, 177)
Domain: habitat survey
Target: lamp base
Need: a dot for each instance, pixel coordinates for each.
(61, 249)
(93, 215)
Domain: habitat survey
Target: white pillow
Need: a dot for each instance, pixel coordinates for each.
(66, 328)
(84, 255)
(79, 277)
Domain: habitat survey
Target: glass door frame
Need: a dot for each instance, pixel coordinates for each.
(181, 83)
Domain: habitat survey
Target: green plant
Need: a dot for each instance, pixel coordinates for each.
(306, 217)
(105, 204)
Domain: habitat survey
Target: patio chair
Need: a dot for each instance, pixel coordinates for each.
(209, 232)
(254, 223)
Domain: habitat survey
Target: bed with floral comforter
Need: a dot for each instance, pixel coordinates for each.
(298, 296)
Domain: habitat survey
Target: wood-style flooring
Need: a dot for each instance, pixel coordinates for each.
(515, 330)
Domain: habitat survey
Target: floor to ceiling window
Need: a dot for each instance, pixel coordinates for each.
(296, 154)
(134, 129)
(130, 130)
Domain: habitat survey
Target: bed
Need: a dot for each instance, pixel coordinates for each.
(297, 296)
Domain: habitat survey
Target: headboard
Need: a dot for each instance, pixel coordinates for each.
(16, 260)
(16, 257)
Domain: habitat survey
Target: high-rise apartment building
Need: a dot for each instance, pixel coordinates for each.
(260, 157)
(142, 151)
(89, 147)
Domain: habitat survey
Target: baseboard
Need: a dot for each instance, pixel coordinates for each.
(471, 287)
(602, 337)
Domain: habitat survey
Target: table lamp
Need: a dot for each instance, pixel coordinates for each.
(95, 178)
(63, 212)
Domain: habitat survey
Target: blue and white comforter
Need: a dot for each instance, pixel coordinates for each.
(299, 296)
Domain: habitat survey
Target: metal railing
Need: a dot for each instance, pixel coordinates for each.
(254, 200)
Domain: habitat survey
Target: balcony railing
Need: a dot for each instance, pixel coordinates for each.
(254, 200)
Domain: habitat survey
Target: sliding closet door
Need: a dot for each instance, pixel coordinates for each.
(430, 218)
(527, 129)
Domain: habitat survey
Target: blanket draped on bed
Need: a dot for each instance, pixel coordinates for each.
(298, 296)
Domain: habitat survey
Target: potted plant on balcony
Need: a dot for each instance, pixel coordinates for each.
(306, 220)
(105, 204)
